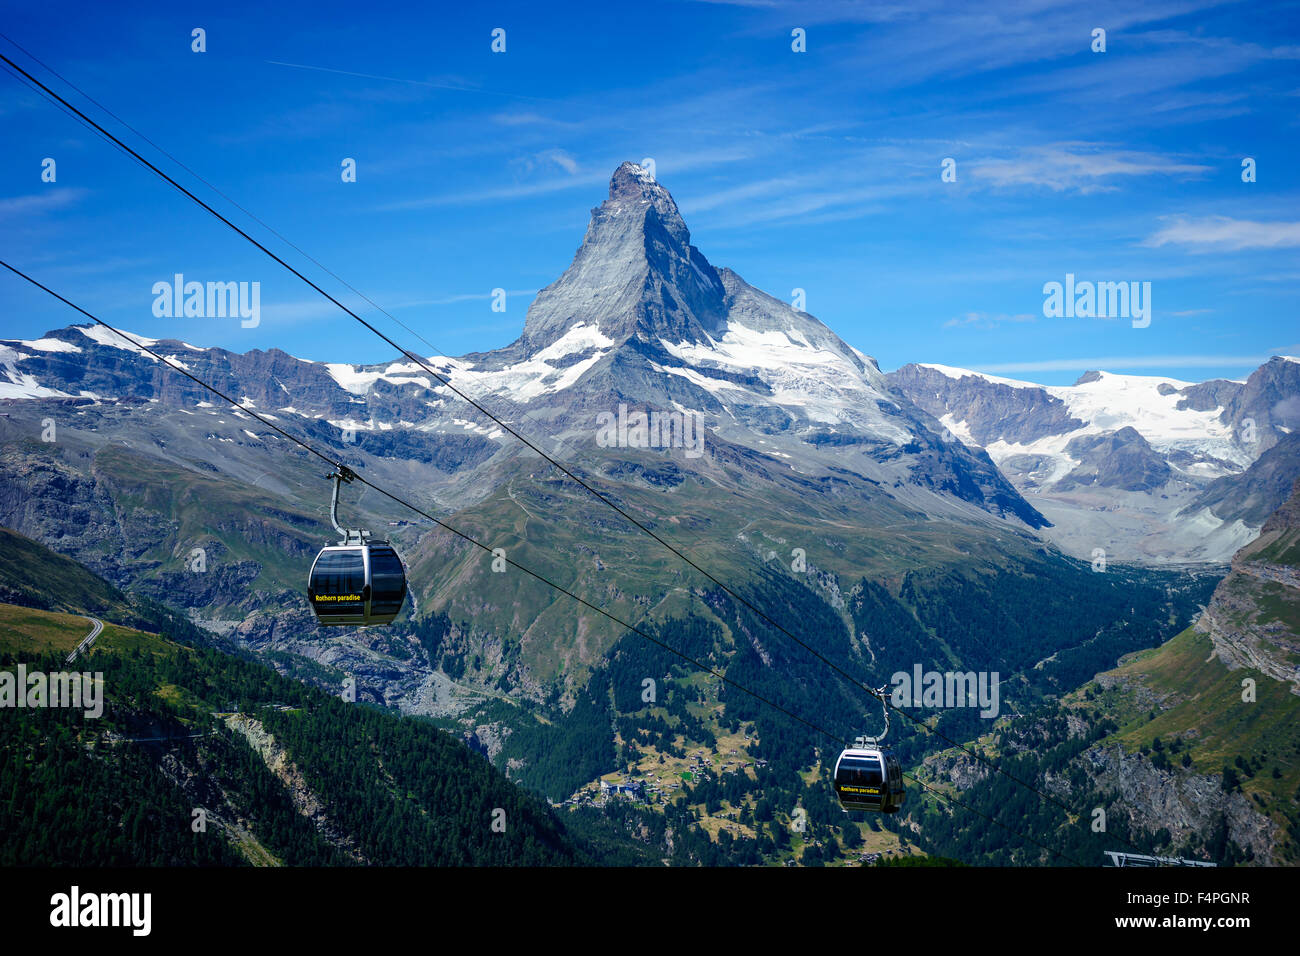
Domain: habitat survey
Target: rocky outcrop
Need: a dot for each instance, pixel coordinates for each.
(636, 274)
(1253, 495)
(958, 768)
(304, 798)
(220, 814)
(1122, 459)
(1158, 471)
(1184, 803)
(1253, 618)
(65, 510)
(1269, 401)
(992, 411)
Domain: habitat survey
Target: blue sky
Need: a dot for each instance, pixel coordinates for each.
(818, 170)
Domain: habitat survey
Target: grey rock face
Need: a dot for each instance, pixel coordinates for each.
(636, 275)
(67, 512)
(1121, 459)
(1207, 396)
(1186, 804)
(1154, 471)
(1261, 489)
(1270, 399)
(991, 411)
(1252, 619)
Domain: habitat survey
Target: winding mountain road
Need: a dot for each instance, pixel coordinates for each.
(96, 626)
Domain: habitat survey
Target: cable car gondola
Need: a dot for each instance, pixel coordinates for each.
(357, 582)
(868, 776)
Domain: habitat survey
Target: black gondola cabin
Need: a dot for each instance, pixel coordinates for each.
(357, 585)
(869, 778)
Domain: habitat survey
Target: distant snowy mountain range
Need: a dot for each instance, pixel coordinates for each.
(1152, 469)
(1149, 469)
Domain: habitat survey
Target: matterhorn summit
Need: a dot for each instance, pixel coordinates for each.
(639, 323)
(636, 273)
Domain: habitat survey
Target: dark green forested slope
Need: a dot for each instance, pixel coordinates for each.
(32, 575)
(1043, 628)
(121, 789)
(1206, 774)
(391, 790)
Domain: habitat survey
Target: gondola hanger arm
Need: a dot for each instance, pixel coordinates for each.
(358, 536)
(880, 694)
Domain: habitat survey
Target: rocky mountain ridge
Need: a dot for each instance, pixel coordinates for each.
(1148, 469)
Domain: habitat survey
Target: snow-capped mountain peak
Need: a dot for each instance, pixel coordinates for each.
(636, 274)
(640, 319)
(1173, 467)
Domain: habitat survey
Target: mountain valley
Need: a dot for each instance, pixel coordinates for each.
(928, 516)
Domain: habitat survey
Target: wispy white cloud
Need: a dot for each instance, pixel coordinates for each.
(556, 157)
(1110, 363)
(1077, 166)
(986, 320)
(529, 119)
(741, 3)
(1169, 61)
(833, 186)
(827, 189)
(460, 297)
(578, 176)
(36, 204)
(744, 193)
(305, 310)
(803, 206)
(1223, 233)
(906, 49)
(498, 193)
(458, 87)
